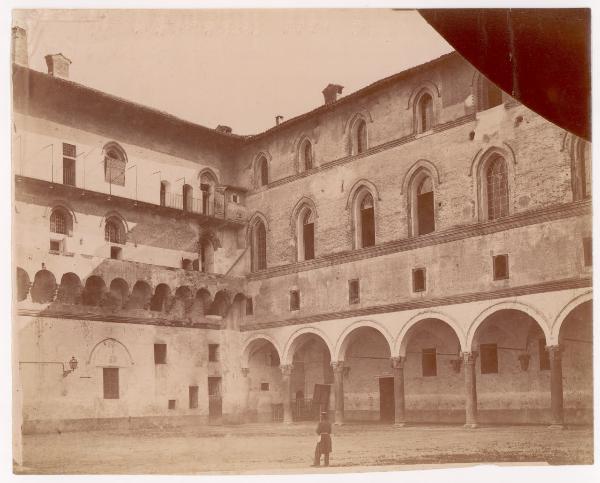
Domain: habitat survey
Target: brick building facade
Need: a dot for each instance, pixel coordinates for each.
(418, 250)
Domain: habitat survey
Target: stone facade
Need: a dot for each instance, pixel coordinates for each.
(458, 313)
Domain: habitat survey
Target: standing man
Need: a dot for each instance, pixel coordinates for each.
(324, 443)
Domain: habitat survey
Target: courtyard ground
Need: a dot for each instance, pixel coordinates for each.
(278, 448)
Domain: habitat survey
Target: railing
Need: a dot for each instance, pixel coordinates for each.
(305, 410)
(277, 413)
(215, 206)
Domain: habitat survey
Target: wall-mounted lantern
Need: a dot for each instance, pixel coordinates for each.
(72, 364)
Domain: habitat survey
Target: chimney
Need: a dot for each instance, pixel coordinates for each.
(331, 92)
(278, 119)
(224, 129)
(19, 47)
(58, 65)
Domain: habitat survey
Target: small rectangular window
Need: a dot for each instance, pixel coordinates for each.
(500, 267)
(294, 300)
(116, 253)
(429, 362)
(489, 358)
(213, 352)
(587, 252)
(55, 246)
(264, 386)
(110, 382)
(354, 291)
(235, 198)
(69, 150)
(544, 356)
(160, 353)
(418, 278)
(193, 390)
(249, 306)
(172, 403)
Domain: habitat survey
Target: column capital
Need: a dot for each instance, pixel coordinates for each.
(398, 362)
(245, 371)
(337, 366)
(555, 349)
(286, 369)
(469, 357)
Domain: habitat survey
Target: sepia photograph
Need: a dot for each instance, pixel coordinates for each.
(300, 241)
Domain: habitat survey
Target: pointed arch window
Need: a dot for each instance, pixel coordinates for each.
(421, 204)
(361, 137)
(364, 213)
(306, 156)
(424, 113)
(259, 246)
(496, 180)
(488, 94)
(114, 232)
(262, 172)
(306, 234)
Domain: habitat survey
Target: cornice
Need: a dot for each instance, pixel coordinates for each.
(553, 286)
(552, 213)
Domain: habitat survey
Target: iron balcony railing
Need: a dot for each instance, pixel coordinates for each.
(216, 206)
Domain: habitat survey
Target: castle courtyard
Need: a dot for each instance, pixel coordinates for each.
(279, 448)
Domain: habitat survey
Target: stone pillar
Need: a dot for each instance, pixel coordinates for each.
(556, 386)
(286, 372)
(246, 396)
(470, 389)
(399, 402)
(338, 390)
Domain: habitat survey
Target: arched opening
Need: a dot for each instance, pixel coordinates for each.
(160, 299)
(312, 376)
(119, 291)
(61, 222)
(182, 302)
(220, 304)
(424, 113)
(496, 188)
(140, 296)
(359, 137)
(115, 161)
(164, 192)
(23, 284)
(235, 315)
(488, 94)
(207, 191)
(265, 385)
(368, 382)
(187, 193)
(114, 230)
(94, 291)
(258, 249)
(186, 264)
(207, 255)
(433, 382)
(306, 156)
(43, 289)
(422, 203)
(305, 230)
(70, 289)
(364, 216)
(262, 172)
(576, 342)
(508, 368)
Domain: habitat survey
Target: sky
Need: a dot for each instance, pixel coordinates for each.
(239, 68)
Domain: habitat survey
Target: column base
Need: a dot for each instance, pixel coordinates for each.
(471, 425)
(338, 423)
(401, 424)
(556, 426)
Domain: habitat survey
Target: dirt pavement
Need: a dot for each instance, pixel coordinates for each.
(278, 448)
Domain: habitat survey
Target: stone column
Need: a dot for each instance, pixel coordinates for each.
(246, 397)
(556, 386)
(338, 390)
(286, 372)
(399, 402)
(470, 389)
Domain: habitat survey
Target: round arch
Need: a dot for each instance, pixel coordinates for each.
(293, 341)
(113, 346)
(251, 342)
(114, 214)
(402, 339)
(518, 306)
(345, 338)
(60, 204)
(564, 313)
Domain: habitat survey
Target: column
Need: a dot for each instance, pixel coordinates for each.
(399, 402)
(246, 389)
(338, 390)
(470, 389)
(556, 386)
(286, 373)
